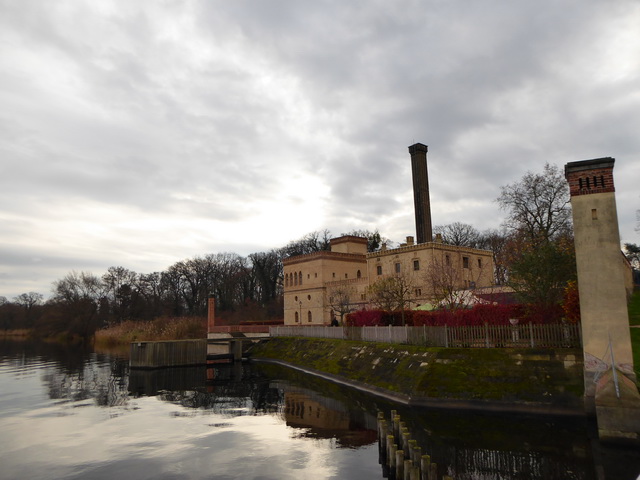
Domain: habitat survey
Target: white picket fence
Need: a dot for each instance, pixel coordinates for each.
(482, 336)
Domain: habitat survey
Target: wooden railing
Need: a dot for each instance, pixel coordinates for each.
(482, 336)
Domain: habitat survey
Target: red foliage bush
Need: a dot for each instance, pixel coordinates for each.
(478, 315)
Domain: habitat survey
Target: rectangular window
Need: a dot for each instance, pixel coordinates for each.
(416, 264)
(465, 262)
(479, 263)
(397, 268)
(379, 269)
(594, 214)
(447, 260)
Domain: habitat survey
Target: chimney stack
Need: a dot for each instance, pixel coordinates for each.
(421, 200)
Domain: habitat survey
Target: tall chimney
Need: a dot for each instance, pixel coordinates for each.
(421, 192)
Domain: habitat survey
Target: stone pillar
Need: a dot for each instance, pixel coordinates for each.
(211, 314)
(603, 299)
(422, 203)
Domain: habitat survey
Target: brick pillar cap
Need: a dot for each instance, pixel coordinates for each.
(604, 162)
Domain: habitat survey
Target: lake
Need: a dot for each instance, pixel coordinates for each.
(71, 414)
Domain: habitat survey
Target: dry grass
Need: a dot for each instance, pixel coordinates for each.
(162, 328)
(17, 333)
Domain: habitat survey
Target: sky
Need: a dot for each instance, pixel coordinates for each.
(139, 134)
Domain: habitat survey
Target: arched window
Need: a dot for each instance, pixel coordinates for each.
(295, 278)
(300, 276)
(358, 274)
(297, 318)
(309, 316)
(286, 280)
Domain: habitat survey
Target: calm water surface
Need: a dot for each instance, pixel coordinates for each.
(66, 414)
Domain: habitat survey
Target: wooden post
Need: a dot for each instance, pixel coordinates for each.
(211, 313)
(433, 471)
(392, 455)
(425, 465)
(399, 461)
(408, 465)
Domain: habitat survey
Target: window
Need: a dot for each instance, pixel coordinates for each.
(363, 296)
(465, 262)
(594, 214)
(333, 274)
(308, 297)
(418, 292)
(416, 264)
(295, 278)
(479, 263)
(346, 275)
(379, 269)
(309, 316)
(300, 275)
(286, 280)
(397, 268)
(447, 260)
(297, 318)
(296, 298)
(358, 274)
(308, 276)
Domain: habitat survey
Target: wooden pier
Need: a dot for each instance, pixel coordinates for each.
(401, 456)
(183, 353)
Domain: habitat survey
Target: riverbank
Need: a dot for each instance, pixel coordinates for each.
(520, 380)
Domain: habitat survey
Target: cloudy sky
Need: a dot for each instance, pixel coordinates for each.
(143, 133)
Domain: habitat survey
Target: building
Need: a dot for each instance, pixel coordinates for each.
(319, 284)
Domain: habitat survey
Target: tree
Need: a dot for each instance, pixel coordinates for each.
(312, 242)
(374, 240)
(458, 233)
(540, 274)
(28, 300)
(119, 284)
(392, 293)
(75, 306)
(538, 206)
(541, 256)
(496, 241)
(340, 300)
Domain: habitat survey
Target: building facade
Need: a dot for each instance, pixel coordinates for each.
(320, 286)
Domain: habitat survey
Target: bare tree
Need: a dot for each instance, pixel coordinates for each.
(28, 300)
(392, 293)
(340, 299)
(538, 206)
(312, 242)
(119, 284)
(457, 233)
(497, 242)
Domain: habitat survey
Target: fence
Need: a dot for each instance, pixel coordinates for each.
(482, 336)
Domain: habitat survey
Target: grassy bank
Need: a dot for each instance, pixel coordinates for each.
(163, 328)
(499, 375)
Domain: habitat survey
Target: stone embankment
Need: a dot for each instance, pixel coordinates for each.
(546, 381)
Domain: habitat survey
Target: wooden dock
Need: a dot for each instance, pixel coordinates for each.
(176, 353)
(183, 353)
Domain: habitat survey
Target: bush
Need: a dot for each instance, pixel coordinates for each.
(478, 315)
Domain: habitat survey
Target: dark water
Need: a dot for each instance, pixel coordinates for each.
(68, 414)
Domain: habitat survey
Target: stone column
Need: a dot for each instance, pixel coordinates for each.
(611, 392)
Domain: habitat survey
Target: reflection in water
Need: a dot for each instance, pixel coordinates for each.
(247, 421)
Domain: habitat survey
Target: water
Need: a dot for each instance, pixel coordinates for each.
(66, 414)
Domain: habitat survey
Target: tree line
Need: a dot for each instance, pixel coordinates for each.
(248, 287)
(532, 253)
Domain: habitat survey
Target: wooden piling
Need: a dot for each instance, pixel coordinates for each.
(425, 465)
(399, 465)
